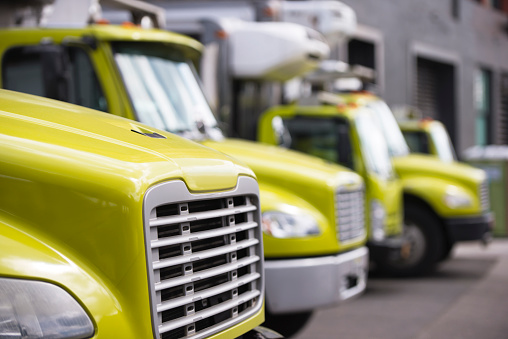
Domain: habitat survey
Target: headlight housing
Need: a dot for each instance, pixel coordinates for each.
(285, 225)
(455, 198)
(377, 220)
(38, 310)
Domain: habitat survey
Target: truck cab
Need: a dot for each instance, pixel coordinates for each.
(445, 202)
(312, 211)
(114, 229)
(428, 136)
(347, 136)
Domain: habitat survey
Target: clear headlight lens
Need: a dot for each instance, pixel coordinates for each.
(454, 198)
(284, 225)
(377, 220)
(36, 310)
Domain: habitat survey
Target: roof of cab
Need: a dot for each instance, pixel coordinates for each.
(12, 36)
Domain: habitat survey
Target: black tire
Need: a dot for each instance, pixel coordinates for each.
(447, 251)
(287, 324)
(424, 244)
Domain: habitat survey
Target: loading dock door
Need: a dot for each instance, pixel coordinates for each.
(503, 128)
(361, 52)
(435, 92)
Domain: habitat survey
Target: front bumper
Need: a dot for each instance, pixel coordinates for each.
(379, 250)
(299, 285)
(469, 228)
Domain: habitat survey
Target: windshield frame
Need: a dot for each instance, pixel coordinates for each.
(442, 143)
(375, 151)
(168, 66)
(384, 117)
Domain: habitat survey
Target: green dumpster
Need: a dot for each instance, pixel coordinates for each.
(493, 159)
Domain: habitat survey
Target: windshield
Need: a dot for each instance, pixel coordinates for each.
(417, 141)
(384, 118)
(164, 88)
(442, 143)
(374, 147)
(322, 137)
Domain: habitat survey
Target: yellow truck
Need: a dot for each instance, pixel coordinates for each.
(443, 202)
(346, 135)
(428, 136)
(312, 211)
(113, 229)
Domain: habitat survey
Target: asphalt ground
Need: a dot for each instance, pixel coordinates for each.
(466, 298)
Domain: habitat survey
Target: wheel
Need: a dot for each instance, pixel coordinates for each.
(447, 251)
(287, 324)
(423, 244)
(261, 332)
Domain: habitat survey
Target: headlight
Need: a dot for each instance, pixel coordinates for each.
(454, 198)
(377, 220)
(284, 225)
(36, 309)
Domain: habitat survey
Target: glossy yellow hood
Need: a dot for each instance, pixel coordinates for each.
(286, 165)
(108, 143)
(425, 165)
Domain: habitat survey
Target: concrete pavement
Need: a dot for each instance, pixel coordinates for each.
(466, 298)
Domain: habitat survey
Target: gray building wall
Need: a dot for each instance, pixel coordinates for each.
(403, 30)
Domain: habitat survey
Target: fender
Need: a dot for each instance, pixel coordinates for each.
(27, 257)
(432, 191)
(275, 198)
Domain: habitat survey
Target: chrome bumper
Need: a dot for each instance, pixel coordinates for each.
(297, 285)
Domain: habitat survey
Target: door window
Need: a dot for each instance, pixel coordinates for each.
(62, 73)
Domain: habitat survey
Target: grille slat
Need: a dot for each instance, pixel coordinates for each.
(484, 195)
(350, 214)
(209, 312)
(207, 293)
(205, 258)
(200, 216)
(205, 254)
(207, 273)
(204, 235)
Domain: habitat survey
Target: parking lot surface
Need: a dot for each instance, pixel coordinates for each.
(467, 297)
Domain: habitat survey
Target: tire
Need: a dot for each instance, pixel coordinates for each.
(287, 324)
(424, 244)
(261, 332)
(447, 251)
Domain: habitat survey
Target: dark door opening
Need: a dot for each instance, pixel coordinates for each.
(361, 52)
(503, 128)
(435, 92)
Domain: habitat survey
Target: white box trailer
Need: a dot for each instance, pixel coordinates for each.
(334, 19)
(244, 64)
(275, 51)
(74, 13)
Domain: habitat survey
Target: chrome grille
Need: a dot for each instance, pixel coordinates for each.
(350, 214)
(484, 195)
(204, 257)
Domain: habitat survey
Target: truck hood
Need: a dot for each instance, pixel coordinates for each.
(284, 166)
(95, 139)
(429, 166)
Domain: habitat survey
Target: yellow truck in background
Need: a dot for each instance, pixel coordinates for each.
(443, 202)
(312, 211)
(113, 229)
(450, 200)
(428, 136)
(346, 135)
